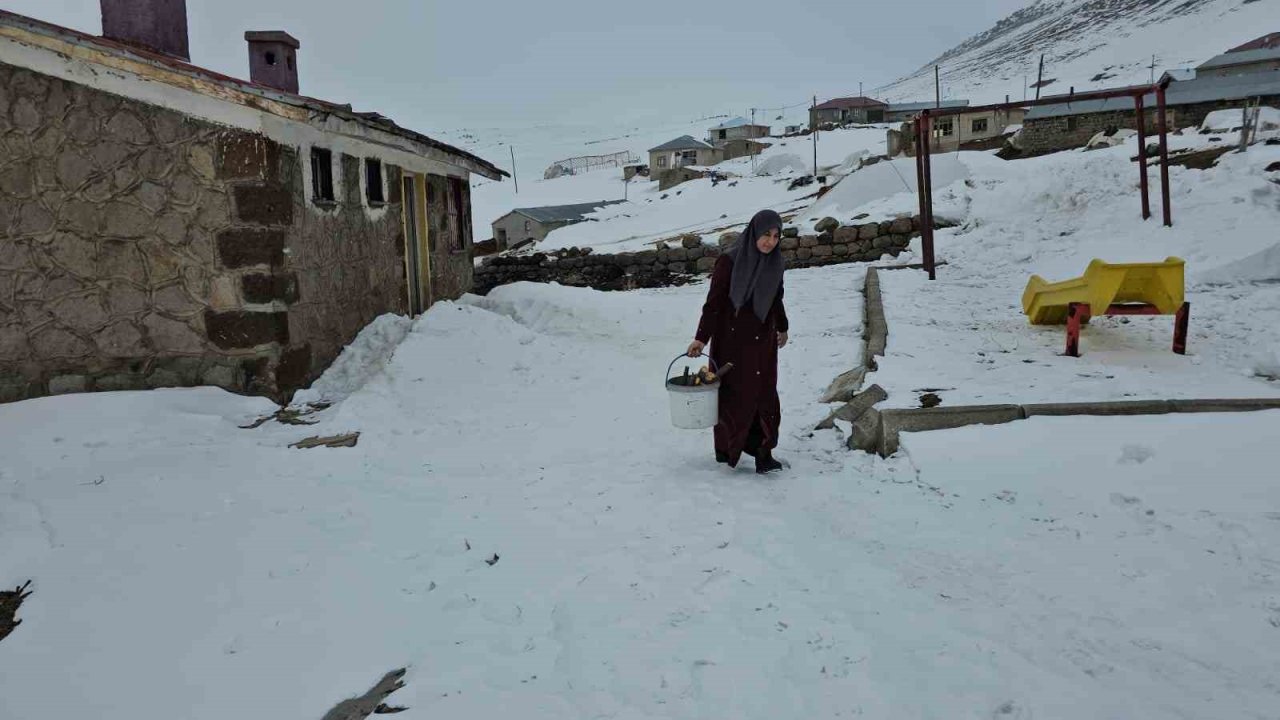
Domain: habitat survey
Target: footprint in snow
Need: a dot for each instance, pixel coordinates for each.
(1135, 454)
(1010, 711)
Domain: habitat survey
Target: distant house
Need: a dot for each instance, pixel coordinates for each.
(1240, 62)
(739, 147)
(860, 110)
(901, 112)
(982, 130)
(735, 129)
(684, 151)
(525, 225)
(1220, 83)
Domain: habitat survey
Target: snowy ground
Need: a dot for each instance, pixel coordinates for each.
(693, 207)
(965, 337)
(186, 567)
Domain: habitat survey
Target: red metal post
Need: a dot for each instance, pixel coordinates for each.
(1164, 155)
(1180, 322)
(1076, 314)
(926, 190)
(1142, 156)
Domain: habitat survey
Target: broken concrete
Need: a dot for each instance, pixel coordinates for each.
(361, 707)
(875, 331)
(856, 406)
(845, 386)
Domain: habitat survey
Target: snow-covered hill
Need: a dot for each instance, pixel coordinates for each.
(1087, 44)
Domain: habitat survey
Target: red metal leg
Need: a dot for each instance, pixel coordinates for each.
(1180, 328)
(1077, 313)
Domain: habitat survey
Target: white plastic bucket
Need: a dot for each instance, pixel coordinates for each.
(693, 407)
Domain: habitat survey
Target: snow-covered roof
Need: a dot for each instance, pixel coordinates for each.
(917, 106)
(1240, 57)
(736, 123)
(684, 142)
(1266, 41)
(563, 213)
(1179, 74)
(1201, 89)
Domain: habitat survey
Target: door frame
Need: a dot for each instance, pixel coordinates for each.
(413, 192)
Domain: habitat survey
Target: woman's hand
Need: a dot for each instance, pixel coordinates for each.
(695, 348)
(782, 340)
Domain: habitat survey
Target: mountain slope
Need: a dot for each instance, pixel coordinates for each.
(1087, 44)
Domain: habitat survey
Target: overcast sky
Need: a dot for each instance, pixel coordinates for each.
(485, 63)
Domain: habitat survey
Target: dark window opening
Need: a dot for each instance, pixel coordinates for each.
(321, 175)
(289, 61)
(980, 126)
(1072, 123)
(373, 181)
(271, 58)
(455, 205)
(945, 129)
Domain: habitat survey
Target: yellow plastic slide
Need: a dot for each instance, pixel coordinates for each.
(1160, 284)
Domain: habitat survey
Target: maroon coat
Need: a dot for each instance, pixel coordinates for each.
(750, 390)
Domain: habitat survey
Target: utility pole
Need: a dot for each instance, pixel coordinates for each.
(859, 89)
(1153, 69)
(937, 89)
(514, 177)
(1024, 87)
(1040, 76)
(815, 137)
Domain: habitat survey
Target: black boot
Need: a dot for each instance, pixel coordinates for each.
(722, 457)
(765, 462)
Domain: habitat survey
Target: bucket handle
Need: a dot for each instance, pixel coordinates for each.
(667, 377)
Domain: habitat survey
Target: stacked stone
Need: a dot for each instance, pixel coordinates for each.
(675, 263)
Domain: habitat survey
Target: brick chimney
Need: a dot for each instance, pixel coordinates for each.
(273, 59)
(159, 25)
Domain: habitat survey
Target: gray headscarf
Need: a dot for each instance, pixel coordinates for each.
(756, 276)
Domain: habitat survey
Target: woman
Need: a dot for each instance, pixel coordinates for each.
(745, 322)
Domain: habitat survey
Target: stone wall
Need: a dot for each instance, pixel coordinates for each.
(140, 247)
(1047, 135)
(109, 210)
(680, 262)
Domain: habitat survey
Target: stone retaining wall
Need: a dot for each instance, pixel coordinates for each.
(680, 262)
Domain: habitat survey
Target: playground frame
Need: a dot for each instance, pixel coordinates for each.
(924, 173)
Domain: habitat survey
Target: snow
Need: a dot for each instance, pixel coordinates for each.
(1268, 119)
(692, 207)
(1087, 46)
(364, 358)
(233, 576)
(884, 190)
(965, 332)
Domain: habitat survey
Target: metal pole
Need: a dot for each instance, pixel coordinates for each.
(815, 138)
(921, 149)
(1142, 156)
(514, 178)
(937, 88)
(1164, 156)
(753, 129)
(926, 219)
(1040, 76)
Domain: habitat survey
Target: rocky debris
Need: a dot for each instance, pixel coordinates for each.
(334, 441)
(791, 231)
(929, 400)
(372, 702)
(10, 601)
(827, 224)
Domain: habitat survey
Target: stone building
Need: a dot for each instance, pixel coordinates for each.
(978, 130)
(531, 225)
(860, 110)
(165, 225)
(1052, 128)
(736, 129)
(684, 151)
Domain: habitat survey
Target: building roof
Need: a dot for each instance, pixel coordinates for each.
(918, 106)
(1240, 57)
(563, 213)
(314, 105)
(849, 102)
(684, 142)
(1187, 92)
(1269, 40)
(735, 123)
